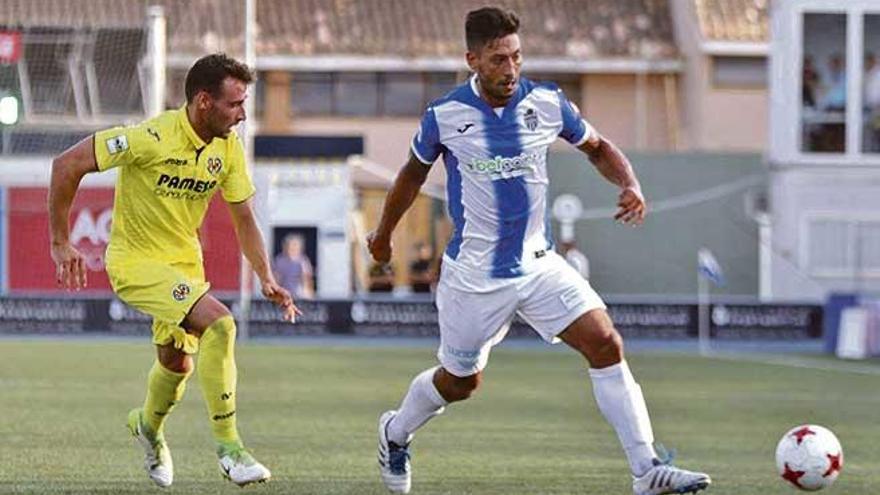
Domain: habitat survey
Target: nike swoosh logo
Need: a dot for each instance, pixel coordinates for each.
(464, 128)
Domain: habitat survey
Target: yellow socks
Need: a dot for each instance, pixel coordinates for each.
(164, 390)
(217, 377)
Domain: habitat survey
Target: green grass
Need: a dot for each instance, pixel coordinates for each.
(309, 413)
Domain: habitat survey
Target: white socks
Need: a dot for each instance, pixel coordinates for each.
(617, 394)
(620, 399)
(422, 402)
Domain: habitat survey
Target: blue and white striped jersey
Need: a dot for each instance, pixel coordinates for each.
(496, 168)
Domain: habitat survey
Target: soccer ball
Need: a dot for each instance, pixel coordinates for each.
(809, 457)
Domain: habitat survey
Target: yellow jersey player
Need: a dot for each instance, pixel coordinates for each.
(169, 169)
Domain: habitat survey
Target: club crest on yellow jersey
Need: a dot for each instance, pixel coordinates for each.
(180, 291)
(214, 165)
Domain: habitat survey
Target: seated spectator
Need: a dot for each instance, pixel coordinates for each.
(421, 271)
(829, 134)
(381, 277)
(835, 97)
(872, 104)
(810, 82)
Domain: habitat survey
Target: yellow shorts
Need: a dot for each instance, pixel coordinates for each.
(165, 291)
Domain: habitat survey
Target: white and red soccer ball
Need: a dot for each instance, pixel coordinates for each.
(809, 457)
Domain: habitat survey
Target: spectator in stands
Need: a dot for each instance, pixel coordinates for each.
(872, 81)
(293, 269)
(421, 271)
(835, 97)
(809, 82)
(872, 103)
(381, 277)
(829, 132)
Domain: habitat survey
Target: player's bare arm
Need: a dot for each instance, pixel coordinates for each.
(251, 241)
(401, 196)
(68, 169)
(616, 168)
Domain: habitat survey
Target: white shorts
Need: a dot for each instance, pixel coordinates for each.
(475, 311)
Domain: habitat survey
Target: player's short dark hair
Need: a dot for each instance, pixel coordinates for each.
(208, 73)
(487, 24)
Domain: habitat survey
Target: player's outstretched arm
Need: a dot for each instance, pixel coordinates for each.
(401, 196)
(68, 169)
(616, 168)
(251, 241)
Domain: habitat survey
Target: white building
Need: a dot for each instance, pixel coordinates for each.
(824, 142)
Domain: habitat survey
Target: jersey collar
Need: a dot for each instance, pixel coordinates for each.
(474, 87)
(188, 129)
(481, 103)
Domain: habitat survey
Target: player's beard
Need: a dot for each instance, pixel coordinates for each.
(507, 87)
(219, 124)
(499, 90)
(221, 129)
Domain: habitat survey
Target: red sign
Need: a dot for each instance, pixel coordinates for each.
(30, 264)
(10, 47)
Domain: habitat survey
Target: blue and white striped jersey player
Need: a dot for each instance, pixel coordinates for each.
(493, 133)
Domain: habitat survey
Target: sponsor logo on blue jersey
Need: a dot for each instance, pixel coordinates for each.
(498, 166)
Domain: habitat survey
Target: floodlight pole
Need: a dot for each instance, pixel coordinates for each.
(250, 58)
(703, 314)
(156, 27)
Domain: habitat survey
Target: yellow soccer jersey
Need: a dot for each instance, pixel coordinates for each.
(167, 177)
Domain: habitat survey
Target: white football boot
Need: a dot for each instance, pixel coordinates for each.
(393, 459)
(240, 467)
(666, 478)
(157, 457)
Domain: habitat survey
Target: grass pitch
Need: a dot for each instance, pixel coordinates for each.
(309, 413)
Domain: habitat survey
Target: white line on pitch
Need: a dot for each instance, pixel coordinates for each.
(801, 362)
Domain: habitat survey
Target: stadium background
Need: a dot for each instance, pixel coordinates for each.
(688, 88)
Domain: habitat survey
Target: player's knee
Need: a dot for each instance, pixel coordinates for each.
(608, 350)
(176, 362)
(222, 328)
(454, 388)
(469, 384)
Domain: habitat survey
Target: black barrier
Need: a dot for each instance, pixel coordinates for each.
(654, 320)
(417, 318)
(392, 318)
(265, 318)
(60, 316)
(752, 321)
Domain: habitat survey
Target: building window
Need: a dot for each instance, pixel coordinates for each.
(50, 87)
(868, 238)
(828, 250)
(402, 93)
(311, 93)
(367, 94)
(823, 83)
(871, 94)
(356, 94)
(437, 84)
(739, 72)
(840, 247)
